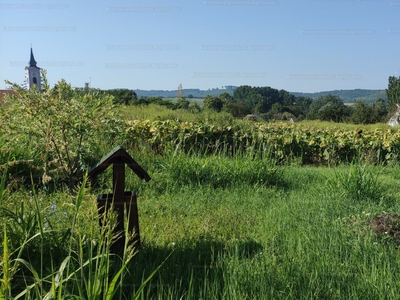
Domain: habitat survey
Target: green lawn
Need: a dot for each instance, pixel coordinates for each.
(229, 233)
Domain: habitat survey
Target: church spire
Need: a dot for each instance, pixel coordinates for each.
(32, 74)
(32, 61)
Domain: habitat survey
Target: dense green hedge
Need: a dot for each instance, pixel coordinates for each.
(304, 144)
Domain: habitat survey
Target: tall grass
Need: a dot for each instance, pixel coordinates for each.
(358, 182)
(87, 269)
(156, 112)
(246, 243)
(213, 226)
(232, 228)
(219, 171)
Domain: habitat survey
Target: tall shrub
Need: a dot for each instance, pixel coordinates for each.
(59, 129)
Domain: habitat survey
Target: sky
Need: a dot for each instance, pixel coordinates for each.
(295, 45)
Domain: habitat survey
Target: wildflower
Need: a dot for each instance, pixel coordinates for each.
(53, 207)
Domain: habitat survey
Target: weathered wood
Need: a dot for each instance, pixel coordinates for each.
(115, 155)
(133, 217)
(129, 206)
(119, 197)
(120, 200)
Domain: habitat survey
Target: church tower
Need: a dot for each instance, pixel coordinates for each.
(32, 74)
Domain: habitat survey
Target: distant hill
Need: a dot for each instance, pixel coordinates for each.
(196, 93)
(349, 96)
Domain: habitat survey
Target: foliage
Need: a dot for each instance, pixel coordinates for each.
(122, 96)
(349, 96)
(221, 172)
(358, 183)
(273, 104)
(303, 104)
(393, 92)
(379, 111)
(194, 108)
(214, 103)
(60, 130)
(182, 103)
(265, 101)
(244, 241)
(85, 268)
(261, 99)
(226, 97)
(362, 113)
(328, 108)
(236, 109)
(233, 223)
(156, 100)
(302, 143)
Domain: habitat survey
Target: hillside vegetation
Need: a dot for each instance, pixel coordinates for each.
(349, 96)
(235, 209)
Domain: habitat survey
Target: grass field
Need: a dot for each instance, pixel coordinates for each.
(305, 237)
(302, 234)
(212, 227)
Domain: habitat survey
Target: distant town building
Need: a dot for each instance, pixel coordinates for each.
(32, 74)
(230, 87)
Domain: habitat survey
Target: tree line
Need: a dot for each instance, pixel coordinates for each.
(267, 104)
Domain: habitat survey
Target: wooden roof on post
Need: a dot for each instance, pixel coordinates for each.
(118, 155)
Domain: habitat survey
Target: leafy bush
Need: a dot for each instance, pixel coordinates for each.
(60, 130)
(304, 143)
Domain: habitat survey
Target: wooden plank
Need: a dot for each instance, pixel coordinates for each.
(133, 218)
(116, 155)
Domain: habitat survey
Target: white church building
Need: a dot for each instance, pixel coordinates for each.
(32, 74)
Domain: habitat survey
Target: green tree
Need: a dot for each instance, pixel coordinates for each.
(393, 92)
(194, 107)
(265, 97)
(182, 103)
(61, 91)
(213, 103)
(141, 101)
(247, 95)
(277, 108)
(286, 98)
(226, 97)
(236, 109)
(155, 100)
(378, 111)
(262, 104)
(123, 96)
(303, 104)
(328, 108)
(361, 113)
(242, 93)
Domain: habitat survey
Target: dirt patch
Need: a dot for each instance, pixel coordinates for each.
(387, 225)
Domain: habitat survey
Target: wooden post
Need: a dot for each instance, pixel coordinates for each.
(133, 217)
(118, 204)
(120, 200)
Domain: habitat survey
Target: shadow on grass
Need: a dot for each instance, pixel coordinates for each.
(190, 269)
